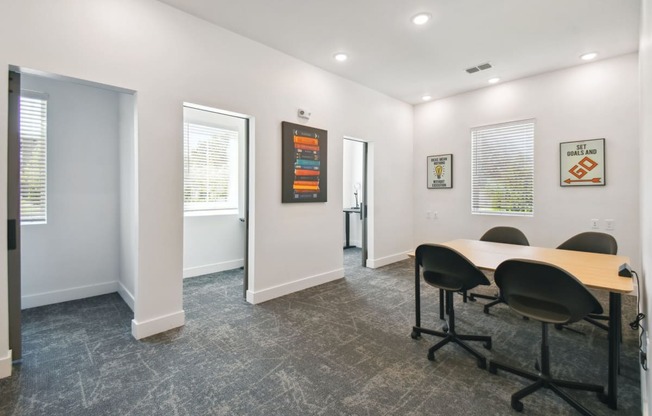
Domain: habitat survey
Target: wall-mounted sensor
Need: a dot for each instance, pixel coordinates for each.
(303, 114)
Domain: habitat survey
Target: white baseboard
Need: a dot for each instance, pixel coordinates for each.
(212, 268)
(384, 261)
(5, 365)
(58, 296)
(126, 295)
(644, 393)
(287, 288)
(140, 330)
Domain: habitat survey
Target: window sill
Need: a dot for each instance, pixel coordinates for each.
(211, 213)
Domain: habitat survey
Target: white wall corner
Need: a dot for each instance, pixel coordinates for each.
(384, 261)
(65, 295)
(212, 268)
(287, 288)
(5, 365)
(140, 330)
(126, 295)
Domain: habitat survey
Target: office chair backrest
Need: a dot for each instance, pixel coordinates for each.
(544, 292)
(591, 242)
(447, 268)
(507, 235)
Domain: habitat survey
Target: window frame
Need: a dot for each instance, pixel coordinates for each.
(494, 137)
(42, 216)
(202, 208)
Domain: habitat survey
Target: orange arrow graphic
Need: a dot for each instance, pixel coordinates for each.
(594, 180)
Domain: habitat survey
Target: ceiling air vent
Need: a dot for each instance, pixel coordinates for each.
(478, 68)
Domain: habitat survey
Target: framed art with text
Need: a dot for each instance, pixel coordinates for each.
(440, 171)
(582, 163)
(304, 163)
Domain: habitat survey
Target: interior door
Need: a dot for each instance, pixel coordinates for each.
(13, 214)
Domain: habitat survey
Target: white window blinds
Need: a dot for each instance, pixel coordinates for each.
(502, 169)
(33, 157)
(211, 168)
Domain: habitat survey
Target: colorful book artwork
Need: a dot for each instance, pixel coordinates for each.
(307, 165)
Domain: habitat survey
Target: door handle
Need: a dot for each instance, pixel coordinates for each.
(11, 235)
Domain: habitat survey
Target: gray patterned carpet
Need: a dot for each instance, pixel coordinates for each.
(343, 348)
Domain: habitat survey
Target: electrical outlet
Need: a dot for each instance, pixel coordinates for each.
(595, 223)
(610, 224)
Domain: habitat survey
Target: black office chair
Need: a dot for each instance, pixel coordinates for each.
(448, 270)
(506, 235)
(551, 295)
(592, 242)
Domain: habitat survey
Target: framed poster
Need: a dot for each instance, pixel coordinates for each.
(304, 163)
(582, 163)
(440, 171)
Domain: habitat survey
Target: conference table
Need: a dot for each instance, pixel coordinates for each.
(597, 271)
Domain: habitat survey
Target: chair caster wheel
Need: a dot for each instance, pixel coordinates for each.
(525, 318)
(415, 334)
(472, 298)
(492, 368)
(482, 363)
(487, 345)
(559, 327)
(603, 397)
(517, 405)
(431, 356)
(485, 310)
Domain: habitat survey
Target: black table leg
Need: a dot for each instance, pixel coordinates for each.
(615, 310)
(347, 221)
(417, 300)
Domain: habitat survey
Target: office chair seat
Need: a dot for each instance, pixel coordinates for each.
(551, 295)
(448, 270)
(505, 235)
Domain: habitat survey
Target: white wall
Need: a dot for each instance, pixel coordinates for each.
(128, 199)
(352, 173)
(597, 100)
(212, 243)
(75, 255)
(168, 58)
(645, 73)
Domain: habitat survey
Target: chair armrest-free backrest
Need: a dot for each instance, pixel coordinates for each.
(592, 242)
(538, 290)
(445, 261)
(506, 235)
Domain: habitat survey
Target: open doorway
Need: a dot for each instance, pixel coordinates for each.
(215, 191)
(71, 151)
(354, 199)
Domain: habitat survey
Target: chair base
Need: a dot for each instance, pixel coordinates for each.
(457, 339)
(545, 381)
(450, 335)
(495, 300)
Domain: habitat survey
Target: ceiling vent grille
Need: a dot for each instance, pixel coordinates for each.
(478, 68)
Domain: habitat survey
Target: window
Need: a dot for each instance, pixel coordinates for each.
(33, 157)
(211, 167)
(502, 169)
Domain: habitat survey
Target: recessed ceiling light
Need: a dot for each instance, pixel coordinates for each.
(588, 56)
(494, 80)
(426, 97)
(341, 56)
(421, 18)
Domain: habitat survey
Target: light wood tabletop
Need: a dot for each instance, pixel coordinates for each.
(599, 271)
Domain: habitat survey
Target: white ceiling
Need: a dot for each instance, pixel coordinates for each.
(391, 55)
